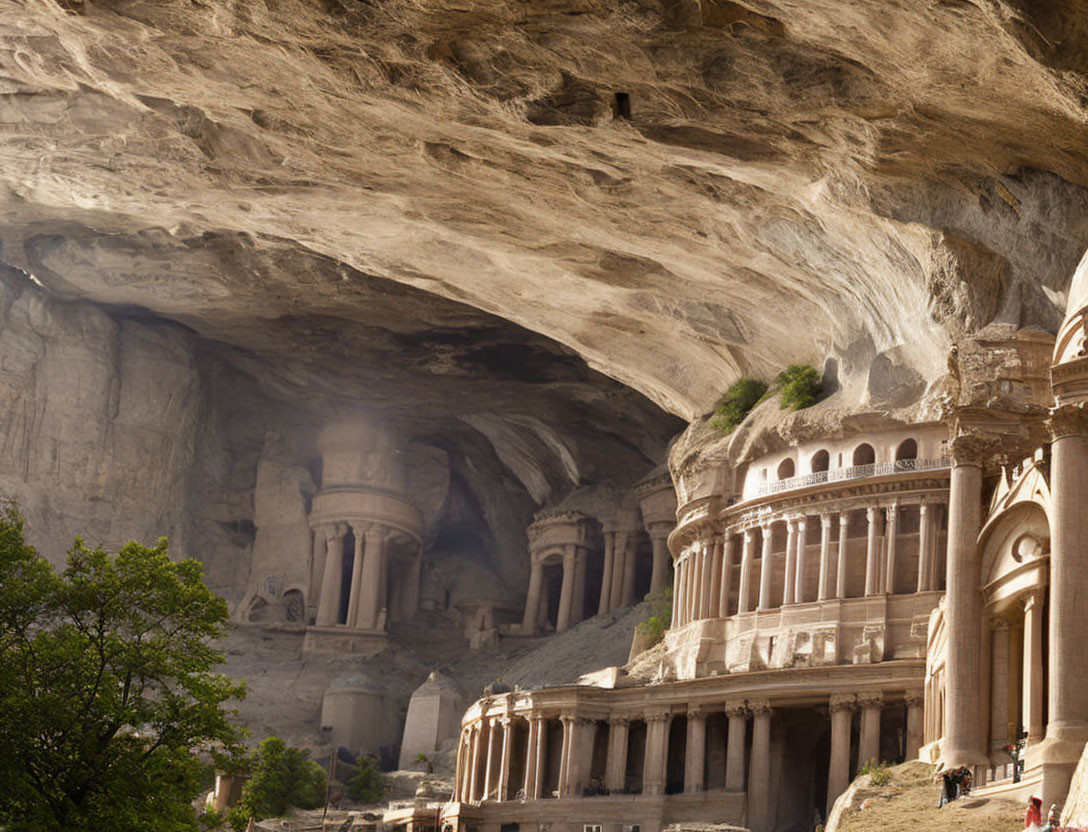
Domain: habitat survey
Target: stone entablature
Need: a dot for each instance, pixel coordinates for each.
(359, 504)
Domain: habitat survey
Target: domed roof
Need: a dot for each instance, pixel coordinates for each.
(1071, 344)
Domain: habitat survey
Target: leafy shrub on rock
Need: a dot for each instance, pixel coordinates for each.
(800, 386)
(366, 786)
(653, 628)
(739, 399)
(281, 777)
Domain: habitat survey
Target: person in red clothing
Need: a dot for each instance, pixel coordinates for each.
(1034, 816)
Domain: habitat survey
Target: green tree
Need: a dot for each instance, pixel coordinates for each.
(106, 687)
(366, 785)
(281, 777)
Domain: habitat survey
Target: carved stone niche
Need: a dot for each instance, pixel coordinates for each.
(807, 647)
(869, 648)
(557, 530)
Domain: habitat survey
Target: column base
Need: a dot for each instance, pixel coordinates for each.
(340, 639)
(971, 758)
(1058, 757)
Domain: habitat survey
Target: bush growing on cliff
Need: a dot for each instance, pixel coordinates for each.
(366, 786)
(739, 399)
(800, 386)
(281, 777)
(654, 627)
(106, 687)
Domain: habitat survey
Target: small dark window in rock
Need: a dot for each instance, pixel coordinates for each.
(621, 107)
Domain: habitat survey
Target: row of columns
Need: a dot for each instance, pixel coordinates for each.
(484, 758)
(704, 571)
(1008, 706)
(369, 576)
(572, 593)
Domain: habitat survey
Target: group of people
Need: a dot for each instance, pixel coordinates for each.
(955, 783)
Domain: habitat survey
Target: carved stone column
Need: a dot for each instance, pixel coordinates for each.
(619, 567)
(891, 523)
(766, 568)
(528, 785)
(963, 601)
(677, 589)
(540, 751)
(999, 690)
(371, 582)
(603, 603)
(657, 735)
(532, 599)
(759, 774)
(1033, 668)
(581, 751)
(726, 588)
(734, 754)
(660, 575)
(578, 600)
(695, 584)
(683, 572)
(802, 558)
(616, 768)
(1067, 725)
(504, 760)
(869, 728)
(788, 586)
(695, 753)
(491, 780)
(925, 546)
(744, 592)
(564, 756)
(706, 578)
(474, 780)
(915, 725)
(840, 576)
(872, 552)
(356, 575)
(841, 707)
(317, 568)
(329, 609)
(566, 592)
(825, 588)
(630, 568)
(714, 585)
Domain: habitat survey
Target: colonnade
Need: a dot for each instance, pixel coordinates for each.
(369, 576)
(706, 570)
(1016, 644)
(572, 592)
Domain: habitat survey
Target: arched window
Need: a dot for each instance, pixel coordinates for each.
(785, 469)
(908, 449)
(864, 454)
(295, 607)
(821, 461)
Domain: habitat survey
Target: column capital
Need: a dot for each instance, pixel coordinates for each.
(870, 513)
(915, 700)
(923, 507)
(871, 699)
(736, 708)
(999, 622)
(972, 449)
(791, 524)
(843, 517)
(584, 720)
(1031, 598)
(760, 707)
(621, 719)
(656, 716)
(698, 712)
(1068, 420)
(825, 518)
(748, 535)
(841, 702)
(802, 522)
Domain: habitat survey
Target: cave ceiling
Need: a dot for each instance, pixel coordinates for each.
(551, 209)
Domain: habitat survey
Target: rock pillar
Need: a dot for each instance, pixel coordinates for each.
(825, 588)
(759, 774)
(604, 602)
(744, 591)
(840, 574)
(925, 546)
(329, 608)
(872, 552)
(566, 592)
(999, 690)
(532, 599)
(891, 524)
(838, 775)
(963, 600)
(714, 585)
(695, 753)
(734, 750)
(766, 569)
(915, 725)
(791, 562)
(726, 587)
(371, 582)
(660, 575)
(1067, 715)
(799, 575)
(657, 740)
(1033, 668)
(869, 727)
(616, 769)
